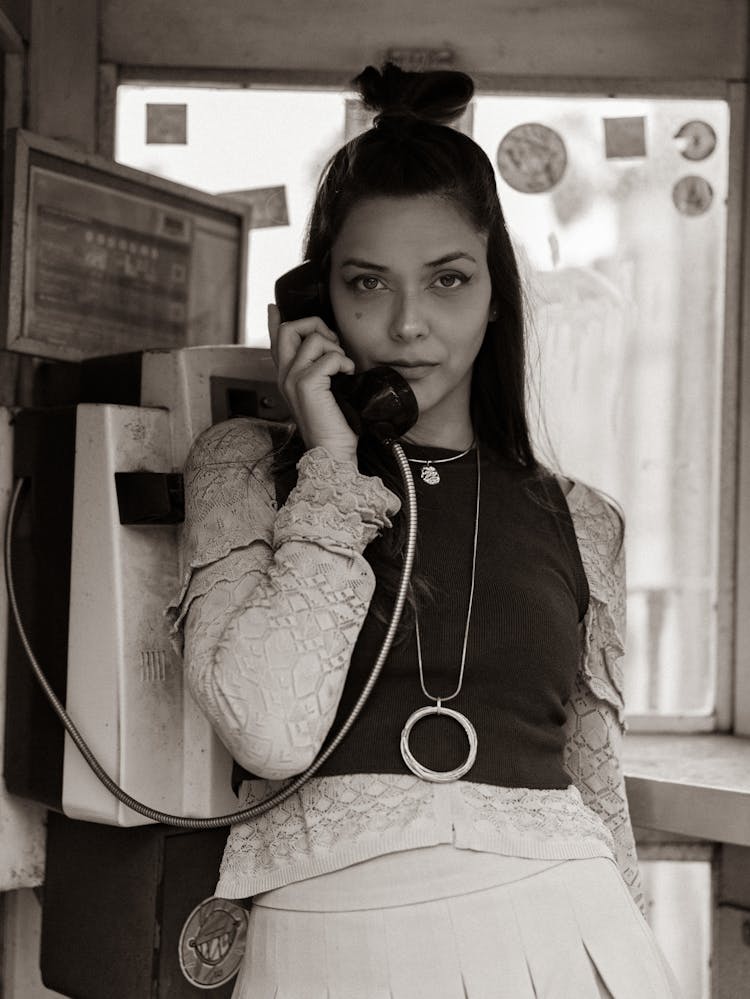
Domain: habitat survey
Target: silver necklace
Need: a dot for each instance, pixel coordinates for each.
(445, 776)
(429, 473)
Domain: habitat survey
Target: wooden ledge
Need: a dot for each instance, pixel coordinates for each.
(695, 785)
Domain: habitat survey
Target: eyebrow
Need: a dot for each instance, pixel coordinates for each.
(369, 265)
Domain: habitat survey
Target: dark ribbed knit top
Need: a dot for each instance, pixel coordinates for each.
(523, 651)
(523, 647)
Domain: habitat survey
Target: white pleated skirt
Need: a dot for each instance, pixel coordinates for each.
(548, 930)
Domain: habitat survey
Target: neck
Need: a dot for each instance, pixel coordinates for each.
(450, 442)
(452, 436)
(446, 423)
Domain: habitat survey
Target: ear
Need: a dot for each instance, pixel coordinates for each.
(493, 312)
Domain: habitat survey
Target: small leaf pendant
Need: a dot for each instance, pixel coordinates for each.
(430, 475)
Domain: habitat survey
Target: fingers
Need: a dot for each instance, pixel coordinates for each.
(307, 355)
(317, 414)
(274, 321)
(316, 355)
(308, 381)
(298, 350)
(289, 339)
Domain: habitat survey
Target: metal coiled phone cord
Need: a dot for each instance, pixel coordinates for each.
(212, 822)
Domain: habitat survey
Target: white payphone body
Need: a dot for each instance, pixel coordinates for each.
(125, 688)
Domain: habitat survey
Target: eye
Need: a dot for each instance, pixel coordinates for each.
(365, 282)
(450, 280)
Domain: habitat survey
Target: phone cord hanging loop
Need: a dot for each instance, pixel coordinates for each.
(261, 807)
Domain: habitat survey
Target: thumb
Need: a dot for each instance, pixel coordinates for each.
(274, 318)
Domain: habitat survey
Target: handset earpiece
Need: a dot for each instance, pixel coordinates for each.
(380, 401)
(301, 293)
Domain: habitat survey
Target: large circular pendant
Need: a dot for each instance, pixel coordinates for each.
(439, 776)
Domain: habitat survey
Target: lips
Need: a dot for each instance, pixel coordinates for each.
(411, 364)
(413, 370)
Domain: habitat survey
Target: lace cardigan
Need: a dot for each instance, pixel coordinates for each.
(271, 605)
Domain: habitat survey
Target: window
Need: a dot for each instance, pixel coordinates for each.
(622, 248)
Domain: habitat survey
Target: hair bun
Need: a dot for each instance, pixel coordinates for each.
(440, 96)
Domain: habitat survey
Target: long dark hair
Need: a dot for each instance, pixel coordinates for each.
(412, 151)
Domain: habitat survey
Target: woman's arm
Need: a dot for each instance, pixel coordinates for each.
(595, 722)
(592, 759)
(270, 625)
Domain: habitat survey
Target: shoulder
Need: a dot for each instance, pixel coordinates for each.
(595, 514)
(599, 526)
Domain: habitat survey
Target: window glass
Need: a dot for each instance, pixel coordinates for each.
(618, 211)
(679, 913)
(624, 261)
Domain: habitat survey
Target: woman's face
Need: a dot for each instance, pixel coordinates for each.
(410, 288)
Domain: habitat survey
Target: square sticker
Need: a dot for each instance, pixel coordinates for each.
(625, 137)
(166, 124)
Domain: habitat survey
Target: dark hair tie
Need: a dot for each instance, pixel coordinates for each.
(396, 116)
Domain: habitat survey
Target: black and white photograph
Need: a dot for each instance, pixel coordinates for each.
(375, 499)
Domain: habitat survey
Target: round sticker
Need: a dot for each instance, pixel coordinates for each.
(692, 195)
(698, 140)
(532, 158)
(212, 942)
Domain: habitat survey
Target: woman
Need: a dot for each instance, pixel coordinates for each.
(379, 877)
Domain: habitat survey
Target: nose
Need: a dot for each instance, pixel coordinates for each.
(409, 321)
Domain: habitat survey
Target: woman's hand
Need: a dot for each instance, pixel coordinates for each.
(307, 355)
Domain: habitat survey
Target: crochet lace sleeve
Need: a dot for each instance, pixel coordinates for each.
(595, 713)
(273, 602)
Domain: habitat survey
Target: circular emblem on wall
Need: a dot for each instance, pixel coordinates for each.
(212, 942)
(697, 138)
(692, 195)
(532, 158)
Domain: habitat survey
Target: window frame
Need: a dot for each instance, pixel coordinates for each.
(738, 296)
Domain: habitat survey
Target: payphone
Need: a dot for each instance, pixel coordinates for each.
(127, 908)
(97, 554)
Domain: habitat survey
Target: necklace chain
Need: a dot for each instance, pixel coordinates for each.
(455, 693)
(429, 473)
(441, 461)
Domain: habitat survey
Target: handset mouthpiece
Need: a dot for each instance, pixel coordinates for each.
(379, 402)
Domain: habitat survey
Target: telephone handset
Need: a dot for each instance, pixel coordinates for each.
(379, 401)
